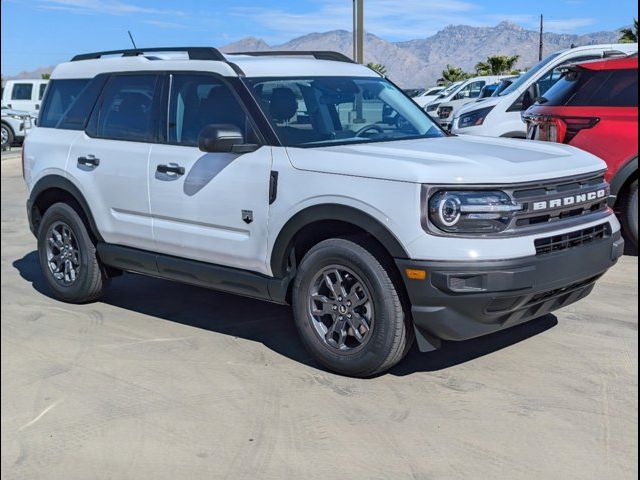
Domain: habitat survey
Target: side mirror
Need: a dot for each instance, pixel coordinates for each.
(528, 99)
(223, 139)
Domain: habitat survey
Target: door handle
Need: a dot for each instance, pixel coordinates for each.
(89, 161)
(171, 168)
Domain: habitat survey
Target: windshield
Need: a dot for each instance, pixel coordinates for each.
(321, 111)
(531, 73)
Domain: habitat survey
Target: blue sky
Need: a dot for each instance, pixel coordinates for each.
(44, 32)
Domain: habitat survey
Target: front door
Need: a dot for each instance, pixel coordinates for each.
(211, 207)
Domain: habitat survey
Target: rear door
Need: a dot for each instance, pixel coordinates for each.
(110, 159)
(211, 207)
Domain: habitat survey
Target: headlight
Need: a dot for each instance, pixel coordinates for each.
(432, 108)
(475, 212)
(475, 118)
(17, 117)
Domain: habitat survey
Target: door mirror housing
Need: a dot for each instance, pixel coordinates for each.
(223, 139)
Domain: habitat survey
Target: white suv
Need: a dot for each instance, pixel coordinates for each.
(304, 178)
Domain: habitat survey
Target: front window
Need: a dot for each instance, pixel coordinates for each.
(321, 111)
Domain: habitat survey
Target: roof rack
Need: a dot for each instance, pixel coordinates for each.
(318, 55)
(195, 53)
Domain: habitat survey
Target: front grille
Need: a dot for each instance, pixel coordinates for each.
(558, 243)
(558, 201)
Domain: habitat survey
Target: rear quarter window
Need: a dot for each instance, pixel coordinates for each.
(60, 99)
(22, 91)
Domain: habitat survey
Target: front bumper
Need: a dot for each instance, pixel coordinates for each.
(464, 300)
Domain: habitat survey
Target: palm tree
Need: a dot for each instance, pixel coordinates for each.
(453, 74)
(497, 65)
(630, 35)
(378, 67)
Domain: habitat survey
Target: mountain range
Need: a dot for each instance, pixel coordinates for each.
(419, 63)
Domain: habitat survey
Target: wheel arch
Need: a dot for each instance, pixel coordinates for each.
(623, 176)
(340, 220)
(53, 189)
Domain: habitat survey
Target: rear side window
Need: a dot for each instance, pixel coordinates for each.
(583, 88)
(22, 91)
(43, 87)
(60, 96)
(126, 109)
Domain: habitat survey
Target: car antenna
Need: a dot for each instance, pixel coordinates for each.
(132, 40)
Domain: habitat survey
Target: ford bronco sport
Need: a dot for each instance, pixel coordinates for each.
(303, 178)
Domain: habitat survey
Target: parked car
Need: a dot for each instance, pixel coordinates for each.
(468, 92)
(250, 173)
(24, 95)
(14, 126)
(465, 90)
(428, 95)
(595, 107)
(501, 116)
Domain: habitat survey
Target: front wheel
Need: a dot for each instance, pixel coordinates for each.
(7, 136)
(349, 311)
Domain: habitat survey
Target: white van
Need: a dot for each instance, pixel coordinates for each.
(24, 94)
(501, 116)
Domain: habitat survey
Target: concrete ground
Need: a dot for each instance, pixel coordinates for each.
(164, 381)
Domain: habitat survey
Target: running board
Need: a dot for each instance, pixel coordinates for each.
(193, 272)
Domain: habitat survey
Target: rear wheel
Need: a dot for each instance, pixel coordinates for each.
(630, 213)
(348, 310)
(68, 256)
(7, 136)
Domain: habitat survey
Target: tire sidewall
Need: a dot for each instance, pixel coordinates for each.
(65, 213)
(10, 136)
(378, 348)
(632, 213)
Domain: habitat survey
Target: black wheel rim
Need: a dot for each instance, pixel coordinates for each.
(63, 254)
(341, 309)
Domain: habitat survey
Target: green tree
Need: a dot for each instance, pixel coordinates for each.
(497, 65)
(630, 35)
(378, 67)
(45, 76)
(453, 74)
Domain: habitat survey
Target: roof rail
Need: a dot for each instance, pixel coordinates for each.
(318, 55)
(195, 53)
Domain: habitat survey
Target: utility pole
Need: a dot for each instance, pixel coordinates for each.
(358, 31)
(541, 51)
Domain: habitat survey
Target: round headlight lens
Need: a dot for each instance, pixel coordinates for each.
(449, 210)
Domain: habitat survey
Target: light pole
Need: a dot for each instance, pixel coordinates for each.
(358, 31)
(358, 52)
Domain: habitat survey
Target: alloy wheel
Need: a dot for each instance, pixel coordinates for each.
(341, 309)
(63, 254)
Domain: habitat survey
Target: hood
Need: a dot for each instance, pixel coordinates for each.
(450, 160)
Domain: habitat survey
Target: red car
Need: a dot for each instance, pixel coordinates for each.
(595, 107)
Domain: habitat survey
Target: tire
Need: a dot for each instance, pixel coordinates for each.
(630, 214)
(76, 275)
(389, 332)
(7, 136)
